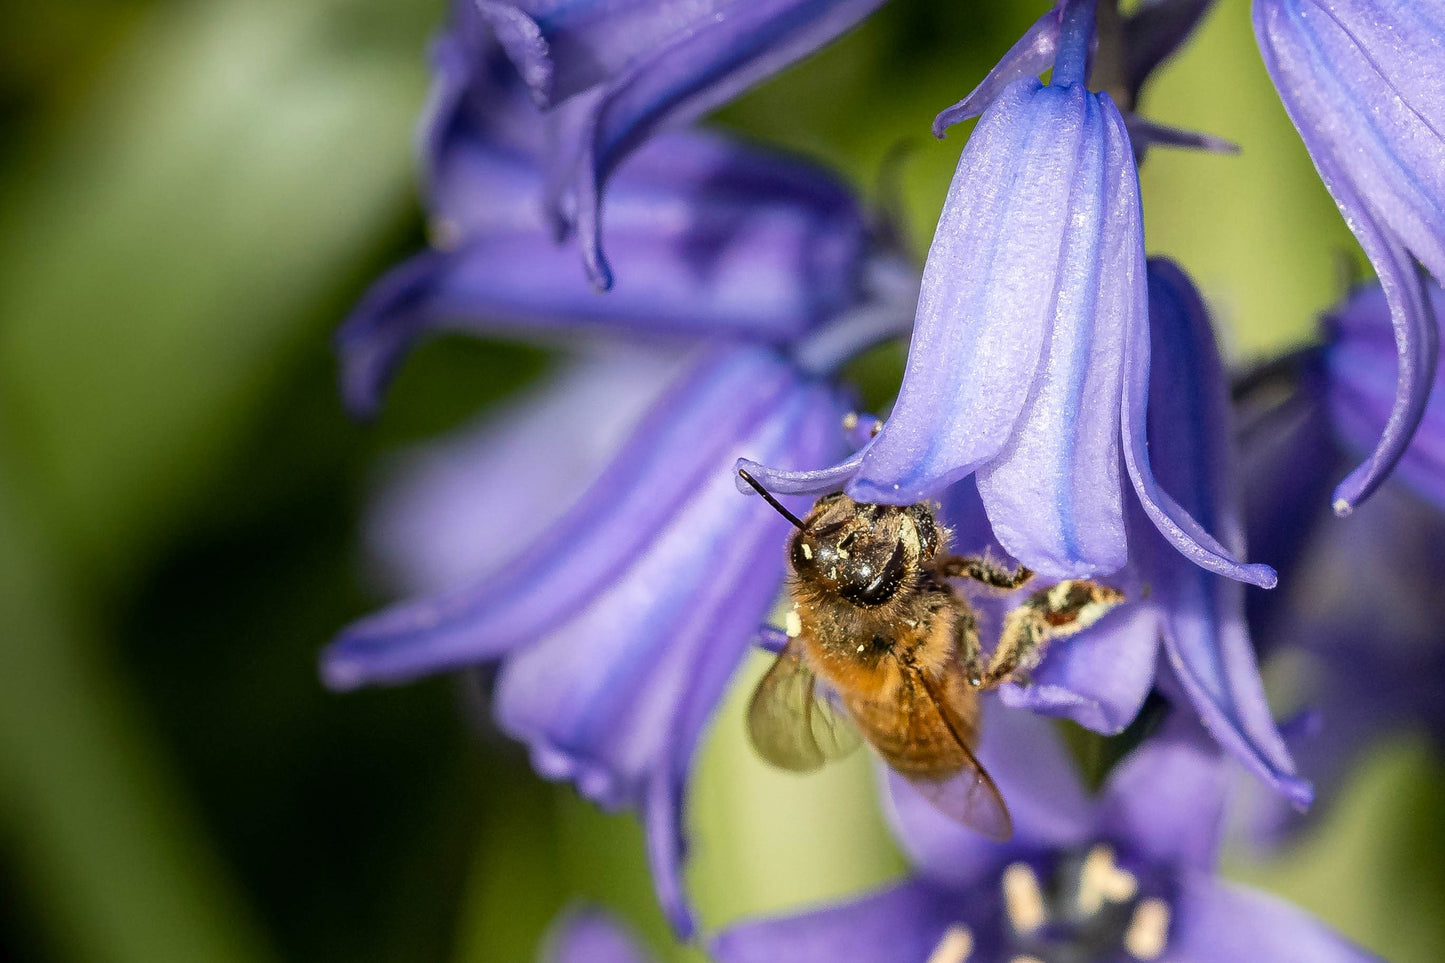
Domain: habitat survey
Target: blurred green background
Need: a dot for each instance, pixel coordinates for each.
(192, 195)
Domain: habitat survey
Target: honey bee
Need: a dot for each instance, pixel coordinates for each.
(897, 649)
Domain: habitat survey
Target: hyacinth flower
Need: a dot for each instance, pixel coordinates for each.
(1360, 79)
(617, 72)
(1029, 361)
(1180, 627)
(1128, 875)
(637, 574)
(590, 936)
(1359, 618)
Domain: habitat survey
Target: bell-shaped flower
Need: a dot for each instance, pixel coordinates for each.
(1030, 358)
(1127, 875)
(631, 68)
(1361, 81)
(1359, 615)
(720, 241)
(1176, 614)
(617, 628)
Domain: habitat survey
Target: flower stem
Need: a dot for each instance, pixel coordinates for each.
(1076, 40)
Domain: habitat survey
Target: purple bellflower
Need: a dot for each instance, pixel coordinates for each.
(615, 585)
(718, 241)
(1029, 363)
(617, 71)
(618, 627)
(590, 936)
(1127, 876)
(1360, 79)
(1175, 611)
(1360, 617)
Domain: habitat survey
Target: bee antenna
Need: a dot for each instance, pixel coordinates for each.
(768, 496)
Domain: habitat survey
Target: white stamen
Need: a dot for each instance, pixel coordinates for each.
(793, 624)
(850, 421)
(1148, 931)
(955, 947)
(1022, 898)
(1101, 879)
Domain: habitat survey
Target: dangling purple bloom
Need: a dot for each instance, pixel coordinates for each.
(1127, 876)
(619, 627)
(1176, 610)
(1361, 80)
(1360, 614)
(1029, 364)
(719, 241)
(631, 68)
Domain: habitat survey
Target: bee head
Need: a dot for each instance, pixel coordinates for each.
(864, 553)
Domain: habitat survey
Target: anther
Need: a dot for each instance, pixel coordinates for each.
(1148, 931)
(1101, 879)
(955, 947)
(1023, 899)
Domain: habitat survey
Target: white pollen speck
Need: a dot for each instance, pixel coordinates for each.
(850, 421)
(807, 550)
(1343, 508)
(862, 647)
(955, 947)
(793, 624)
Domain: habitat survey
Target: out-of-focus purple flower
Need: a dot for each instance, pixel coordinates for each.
(719, 241)
(1175, 609)
(590, 936)
(1126, 876)
(632, 67)
(1361, 81)
(1029, 364)
(1360, 617)
(618, 628)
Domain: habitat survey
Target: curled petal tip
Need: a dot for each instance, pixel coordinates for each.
(340, 674)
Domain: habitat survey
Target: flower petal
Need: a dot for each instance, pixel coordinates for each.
(1362, 364)
(685, 79)
(1177, 404)
(1098, 678)
(903, 924)
(1154, 32)
(616, 697)
(702, 418)
(1356, 81)
(1216, 922)
(590, 936)
(452, 510)
(1165, 801)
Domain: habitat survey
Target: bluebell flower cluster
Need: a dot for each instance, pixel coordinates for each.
(1063, 404)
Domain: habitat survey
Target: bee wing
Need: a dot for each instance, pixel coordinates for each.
(969, 795)
(792, 722)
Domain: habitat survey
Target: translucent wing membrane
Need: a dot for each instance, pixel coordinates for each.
(969, 795)
(791, 721)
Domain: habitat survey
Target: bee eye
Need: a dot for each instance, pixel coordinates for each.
(867, 584)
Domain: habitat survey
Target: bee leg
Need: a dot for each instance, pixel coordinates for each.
(980, 569)
(1056, 612)
(970, 653)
